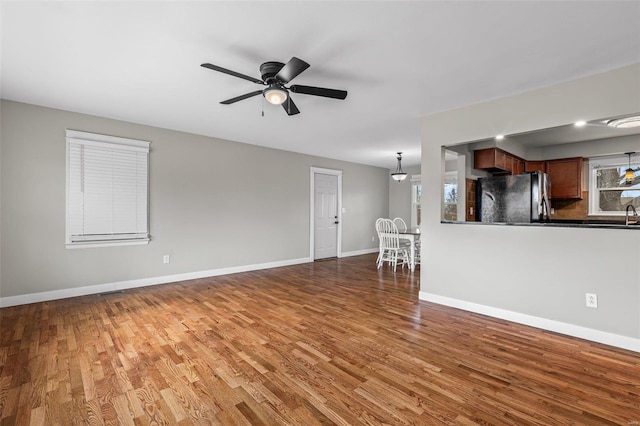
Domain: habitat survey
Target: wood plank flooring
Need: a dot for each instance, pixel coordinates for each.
(332, 342)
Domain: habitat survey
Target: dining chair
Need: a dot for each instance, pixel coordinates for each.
(402, 227)
(390, 248)
(400, 223)
(379, 231)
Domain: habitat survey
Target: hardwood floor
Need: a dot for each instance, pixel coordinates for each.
(333, 342)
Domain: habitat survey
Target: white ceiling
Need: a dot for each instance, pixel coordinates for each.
(140, 62)
(568, 133)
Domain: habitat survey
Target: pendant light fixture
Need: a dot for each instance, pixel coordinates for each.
(629, 175)
(399, 174)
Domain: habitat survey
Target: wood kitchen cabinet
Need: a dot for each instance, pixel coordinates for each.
(497, 161)
(566, 177)
(488, 159)
(565, 173)
(518, 166)
(535, 166)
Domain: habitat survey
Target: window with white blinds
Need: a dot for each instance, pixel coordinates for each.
(107, 190)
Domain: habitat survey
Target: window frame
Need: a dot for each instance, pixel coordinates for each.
(608, 162)
(449, 175)
(74, 137)
(416, 204)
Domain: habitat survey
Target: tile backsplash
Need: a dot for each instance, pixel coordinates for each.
(575, 209)
(571, 209)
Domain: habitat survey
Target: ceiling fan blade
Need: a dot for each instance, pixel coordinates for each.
(319, 91)
(233, 73)
(290, 107)
(291, 70)
(241, 97)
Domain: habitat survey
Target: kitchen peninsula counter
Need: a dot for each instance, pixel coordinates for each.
(597, 224)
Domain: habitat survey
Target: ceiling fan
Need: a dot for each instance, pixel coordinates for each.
(275, 75)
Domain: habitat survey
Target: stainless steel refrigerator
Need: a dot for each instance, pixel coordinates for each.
(520, 198)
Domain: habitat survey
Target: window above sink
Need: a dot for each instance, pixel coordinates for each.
(609, 191)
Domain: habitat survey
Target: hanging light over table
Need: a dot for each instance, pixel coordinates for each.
(399, 174)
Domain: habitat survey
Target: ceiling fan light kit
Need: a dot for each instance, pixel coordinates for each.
(275, 75)
(275, 95)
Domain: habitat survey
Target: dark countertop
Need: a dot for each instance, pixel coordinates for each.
(562, 223)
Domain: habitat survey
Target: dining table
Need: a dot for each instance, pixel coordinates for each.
(413, 236)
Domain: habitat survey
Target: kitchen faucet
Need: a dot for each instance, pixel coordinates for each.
(626, 216)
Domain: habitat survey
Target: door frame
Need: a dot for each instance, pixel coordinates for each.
(312, 213)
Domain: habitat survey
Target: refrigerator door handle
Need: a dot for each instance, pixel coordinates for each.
(544, 208)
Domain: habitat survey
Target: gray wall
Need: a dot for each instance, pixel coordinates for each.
(213, 204)
(533, 272)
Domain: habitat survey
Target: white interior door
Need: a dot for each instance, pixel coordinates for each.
(325, 216)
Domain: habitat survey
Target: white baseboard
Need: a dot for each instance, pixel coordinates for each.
(359, 252)
(44, 296)
(611, 339)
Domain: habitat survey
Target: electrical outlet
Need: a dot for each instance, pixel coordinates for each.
(166, 258)
(592, 300)
(373, 239)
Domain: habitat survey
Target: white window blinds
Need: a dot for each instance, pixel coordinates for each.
(107, 190)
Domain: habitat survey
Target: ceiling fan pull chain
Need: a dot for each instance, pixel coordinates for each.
(263, 106)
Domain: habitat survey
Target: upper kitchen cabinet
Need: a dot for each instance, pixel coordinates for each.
(566, 177)
(490, 159)
(565, 173)
(497, 161)
(535, 166)
(517, 166)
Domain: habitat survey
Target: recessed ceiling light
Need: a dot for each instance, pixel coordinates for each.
(580, 123)
(625, 123)
(499, 137)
